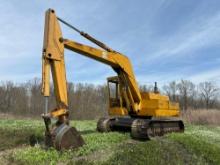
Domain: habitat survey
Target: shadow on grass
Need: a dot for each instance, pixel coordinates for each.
(85, 132)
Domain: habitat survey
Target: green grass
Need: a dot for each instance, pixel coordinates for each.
(198, 145)
(17, 132)
(201, 140)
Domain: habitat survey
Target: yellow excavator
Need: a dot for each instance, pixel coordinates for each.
(144, 114)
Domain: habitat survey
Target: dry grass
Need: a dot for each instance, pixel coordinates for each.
(10, 116)
(211, 117)
(198, 116)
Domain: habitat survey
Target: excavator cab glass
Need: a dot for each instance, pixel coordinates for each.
(114, 94)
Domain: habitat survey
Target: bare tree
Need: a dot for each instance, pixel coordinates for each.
(208, 92)
(88, 101)
(146, 88)
(171, 90)
(36, 99)
(7, 95)
(186, 90)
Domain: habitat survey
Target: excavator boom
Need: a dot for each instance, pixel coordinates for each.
(120, 63)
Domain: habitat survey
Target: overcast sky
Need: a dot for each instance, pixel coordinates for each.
(165, 39)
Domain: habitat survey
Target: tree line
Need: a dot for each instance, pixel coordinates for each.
(88, 101)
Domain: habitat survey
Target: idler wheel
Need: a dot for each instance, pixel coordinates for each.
(103, 125)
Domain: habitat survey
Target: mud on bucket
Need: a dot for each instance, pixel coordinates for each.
(67, 137)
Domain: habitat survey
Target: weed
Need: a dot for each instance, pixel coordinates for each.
(198, 145)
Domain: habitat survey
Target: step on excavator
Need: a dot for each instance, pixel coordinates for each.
(144, 114)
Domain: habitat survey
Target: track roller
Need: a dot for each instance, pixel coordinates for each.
(104, 125)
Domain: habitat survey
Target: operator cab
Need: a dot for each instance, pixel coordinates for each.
(117, 105)
(114, 92)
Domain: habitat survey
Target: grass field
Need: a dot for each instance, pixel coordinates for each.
(198, 145)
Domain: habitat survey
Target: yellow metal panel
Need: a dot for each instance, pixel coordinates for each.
(150, 104)
(173, 105)
(159, 112)
(117, 111)
(150, 96)
(58, 112)
(60, 86)
(161, 104)
(166, 113)
(52, 33)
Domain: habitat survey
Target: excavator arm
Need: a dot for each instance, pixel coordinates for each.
(59, 135)
(53, 62)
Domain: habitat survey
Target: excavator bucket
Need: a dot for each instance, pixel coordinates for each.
(67, 137)
(62, 137)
